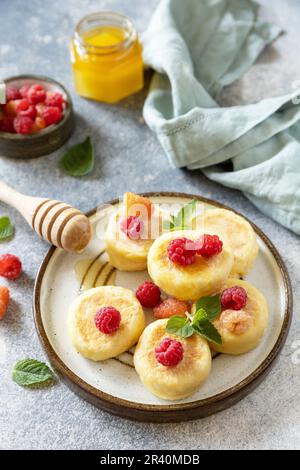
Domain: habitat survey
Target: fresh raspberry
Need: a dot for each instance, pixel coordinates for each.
(40, 108)
(54, 99)
(132, 227)
(51, 115)
(12, 93)
(4, 300)
(24, 90)
(234, 298)
(23, 125)
(208, 245)
(182, 251)
(10, 266)
(169, 352)
(170, 307)
(36, 94)
(148, 294)
(7, 125)
(21, 105)
(39, 124)
(29, 112)
(10, 108)
(107, 320)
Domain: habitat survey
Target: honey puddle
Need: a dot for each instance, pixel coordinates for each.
(95, 272)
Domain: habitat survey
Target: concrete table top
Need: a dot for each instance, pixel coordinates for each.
(34, 39)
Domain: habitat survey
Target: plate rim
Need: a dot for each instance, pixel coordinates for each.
(168, 412)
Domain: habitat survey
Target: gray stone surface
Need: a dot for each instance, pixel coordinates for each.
(34, 38)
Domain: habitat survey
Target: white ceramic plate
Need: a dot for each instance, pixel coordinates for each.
(113, 384)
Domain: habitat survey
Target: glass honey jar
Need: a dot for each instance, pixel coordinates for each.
(106, 57)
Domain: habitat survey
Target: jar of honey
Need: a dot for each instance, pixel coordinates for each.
(106, 57)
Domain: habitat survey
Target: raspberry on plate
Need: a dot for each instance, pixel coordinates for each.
(208, 245)
(148, 294)
(107, 320)
(23, 125)
(182, 251)
(169, 352)
(10, 266)
(51, 115)
(234, 298)
(36, 94)
(132, 227)
(12, 93)
(54, 99)
(4, 300)
(169, 307)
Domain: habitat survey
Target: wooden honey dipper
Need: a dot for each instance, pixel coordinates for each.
(57, 222)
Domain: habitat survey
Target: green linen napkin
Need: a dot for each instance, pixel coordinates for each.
(197, 47)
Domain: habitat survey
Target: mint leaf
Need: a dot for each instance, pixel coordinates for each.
(28, 372)
(199, 316)
(182, 220)
(208, 330)
(179, 326)
(211, 305)
(6, 228)
(202, 325)
(79, 159)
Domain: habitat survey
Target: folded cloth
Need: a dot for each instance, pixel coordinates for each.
(196, 48)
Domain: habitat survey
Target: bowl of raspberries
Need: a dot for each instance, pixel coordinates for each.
(37, 117)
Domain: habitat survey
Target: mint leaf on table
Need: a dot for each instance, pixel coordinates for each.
(179, 326)
(79, 159)
(182, 220)
(29, 372)
(211, 305)
(6, 228)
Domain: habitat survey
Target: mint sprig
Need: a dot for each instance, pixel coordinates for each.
(207, 309)
(30, 372)
(211, 305)
(182, 220)
(79, 159)
(6, 228)
(204, 327)
(180, 326)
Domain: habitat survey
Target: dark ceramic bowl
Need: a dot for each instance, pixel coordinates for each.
(46, 140)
